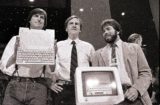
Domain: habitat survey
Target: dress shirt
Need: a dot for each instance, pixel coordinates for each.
(8, 63)
(63, 57)
(120, 62)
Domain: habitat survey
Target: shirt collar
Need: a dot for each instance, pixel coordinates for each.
(70, 40)
(119, 43)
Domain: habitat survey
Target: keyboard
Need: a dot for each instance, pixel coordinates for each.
(35, 56)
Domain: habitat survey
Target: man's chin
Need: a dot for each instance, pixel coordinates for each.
(37, 27)
(109, 40)
(75, 32)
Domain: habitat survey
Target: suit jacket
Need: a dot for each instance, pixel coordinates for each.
(136, 66)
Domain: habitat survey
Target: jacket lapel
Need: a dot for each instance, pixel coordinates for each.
(104, 56)
(127, 59)
(125, 53)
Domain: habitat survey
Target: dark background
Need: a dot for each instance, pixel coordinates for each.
(138, 18)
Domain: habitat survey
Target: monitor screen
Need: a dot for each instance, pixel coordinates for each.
(98, 83)
(98, 86)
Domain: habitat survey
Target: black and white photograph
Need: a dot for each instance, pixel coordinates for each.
(79, 52)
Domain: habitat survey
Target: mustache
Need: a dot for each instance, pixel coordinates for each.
(106, 34)
(74, 28)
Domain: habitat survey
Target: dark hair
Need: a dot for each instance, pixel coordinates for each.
(37, 11)
(112, 23)
(133, 37)
(70, 18)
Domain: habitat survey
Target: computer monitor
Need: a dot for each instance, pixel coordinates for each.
(98, 86)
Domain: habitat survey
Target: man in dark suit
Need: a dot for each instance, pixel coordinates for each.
(135, 74)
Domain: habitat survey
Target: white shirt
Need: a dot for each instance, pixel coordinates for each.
(63, 58)
(120, 62)
(8, 63)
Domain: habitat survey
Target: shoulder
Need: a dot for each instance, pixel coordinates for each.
(12, 41)
(99, 51)
(97, 55)
(84, 43)
(13, 38)
(61, 43)
(131, 46)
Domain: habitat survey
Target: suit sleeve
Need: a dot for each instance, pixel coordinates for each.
(94, 59)
(91, 52)
(144, 73)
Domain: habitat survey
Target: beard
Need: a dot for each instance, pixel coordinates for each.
(110, 39)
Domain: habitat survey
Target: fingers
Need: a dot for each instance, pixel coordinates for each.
(131, 94)
(55, 46)
(57, 87)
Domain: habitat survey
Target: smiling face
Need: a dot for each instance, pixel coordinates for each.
(109, 34)
(73, 28)
(37, 21)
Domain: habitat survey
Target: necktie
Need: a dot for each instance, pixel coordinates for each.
(113, 56)
(74, 62)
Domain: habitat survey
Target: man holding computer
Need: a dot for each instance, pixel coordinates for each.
(27, 85)
(71, 53)
(135, 74)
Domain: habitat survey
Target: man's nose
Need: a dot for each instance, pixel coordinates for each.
(105, 32)
(39, 18)
(74, 25)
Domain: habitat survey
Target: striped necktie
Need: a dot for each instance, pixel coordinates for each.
(74, 62)
(113, 55)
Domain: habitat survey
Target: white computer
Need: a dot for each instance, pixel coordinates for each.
(98, 86)
(35, 46)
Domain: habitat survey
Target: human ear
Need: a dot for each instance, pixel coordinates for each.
(118, 32)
